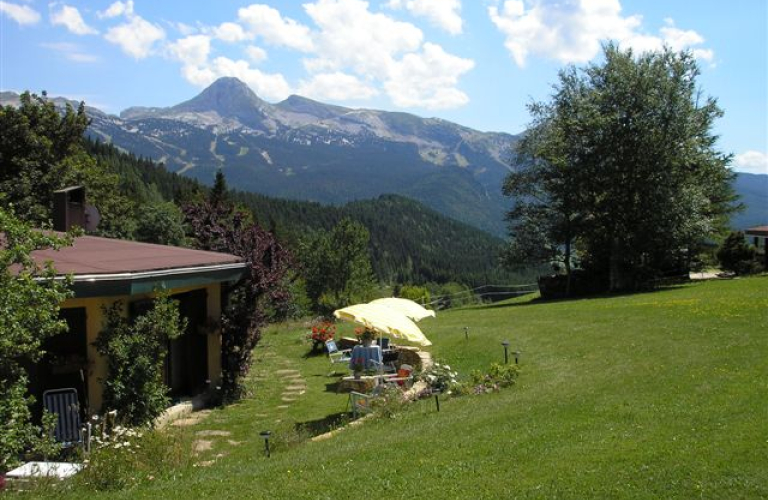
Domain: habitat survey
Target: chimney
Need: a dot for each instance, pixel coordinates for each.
(69, 208)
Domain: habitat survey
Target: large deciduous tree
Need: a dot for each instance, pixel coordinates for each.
(217, 225)
(622, 162)
(337, 266)
(42, 150)
(29, 314)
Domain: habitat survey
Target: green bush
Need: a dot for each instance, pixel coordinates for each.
(135, 352)
(736, 255)
(415, 293)
(498, 377)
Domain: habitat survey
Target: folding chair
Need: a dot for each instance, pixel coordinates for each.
(334, 354)
(66, 405)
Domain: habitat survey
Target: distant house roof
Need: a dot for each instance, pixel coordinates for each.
(103, 266)
(757, 231)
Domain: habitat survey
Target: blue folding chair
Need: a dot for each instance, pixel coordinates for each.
(66, 405)
(334, 354)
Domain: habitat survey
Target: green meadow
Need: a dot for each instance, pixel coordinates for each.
(653, 395)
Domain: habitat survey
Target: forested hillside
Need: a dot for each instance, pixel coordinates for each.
(410, 243)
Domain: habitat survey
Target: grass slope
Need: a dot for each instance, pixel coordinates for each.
(656, 395)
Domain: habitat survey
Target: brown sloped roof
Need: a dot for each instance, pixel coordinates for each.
(757, 231)
(91, 255)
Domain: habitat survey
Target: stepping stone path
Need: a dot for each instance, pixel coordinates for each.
(296, 385)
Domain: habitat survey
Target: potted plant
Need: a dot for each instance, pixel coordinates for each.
(321, 333)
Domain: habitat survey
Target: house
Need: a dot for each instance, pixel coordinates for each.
(758, 236)
(106, 270)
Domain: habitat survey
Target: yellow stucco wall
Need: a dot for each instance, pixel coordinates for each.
(97, 364)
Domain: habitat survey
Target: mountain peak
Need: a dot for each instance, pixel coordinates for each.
(227, 96)
(298, 104)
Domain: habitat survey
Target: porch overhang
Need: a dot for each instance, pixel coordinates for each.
(136, 283)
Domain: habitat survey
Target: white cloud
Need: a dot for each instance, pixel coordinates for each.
(678, 40)
(266, 22)
(373, 47)
(136, 37)
(753, 162)
(352, 37)
(117, 9)
(256, 54)
(571, 31)
(20, 13)
(230, 32)
(70, 18)
(428, 79)
(192, 50)
(445, 14)
(72, 52)
(336, 87)
(182, 28)
(271, 86)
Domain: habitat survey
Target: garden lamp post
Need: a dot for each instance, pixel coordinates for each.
(517, 354)
(466, 333)
(505, 343)
(265, 436)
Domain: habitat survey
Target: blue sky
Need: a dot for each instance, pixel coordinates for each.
(474, 62)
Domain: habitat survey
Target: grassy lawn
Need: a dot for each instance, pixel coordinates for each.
(656, 395)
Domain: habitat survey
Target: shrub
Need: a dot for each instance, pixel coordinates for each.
(735, 254)
(498, 377)
(440, 378)
(135, 352)
(415, 293)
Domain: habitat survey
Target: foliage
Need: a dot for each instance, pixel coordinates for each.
(389, 403)
(337, 266)
(29, 307)
(41, 151)
(322, 332)
(415, 293)
(735, 254)
(161, 222)
(125, 458)
(621, 163)
(219, 226)
(451, 294)
(135, 350)
(498, 377)
(440, 377)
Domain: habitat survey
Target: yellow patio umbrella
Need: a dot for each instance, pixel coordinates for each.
(412, 309)
(384, 320)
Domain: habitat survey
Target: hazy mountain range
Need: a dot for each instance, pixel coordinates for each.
(308, 150)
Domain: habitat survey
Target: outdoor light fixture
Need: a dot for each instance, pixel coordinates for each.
(466, 332)
(505, 343)
(265, 435)
(517, 356)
